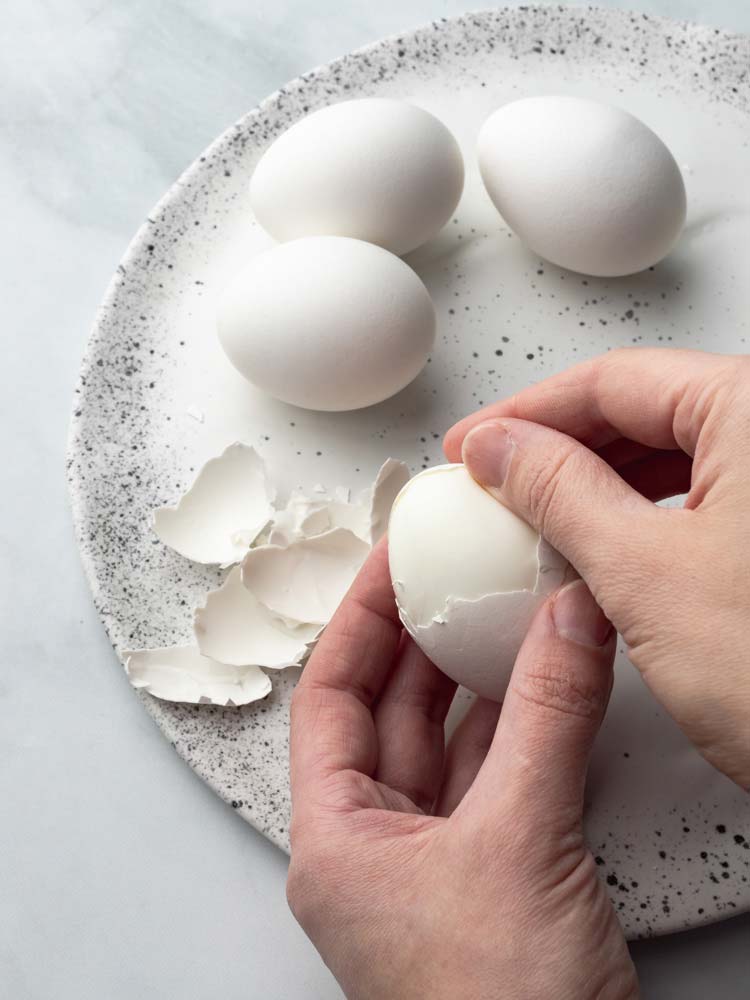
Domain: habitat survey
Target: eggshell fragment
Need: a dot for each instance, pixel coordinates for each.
(391, 479)
(306, 580)
(468, 576)
(375, 169)
(303, 518)
(366, 517)
(182, 674)
(354, 517)
(299, 518)
(476, 642)
(584, 184)
(234, 628)
(224, 510)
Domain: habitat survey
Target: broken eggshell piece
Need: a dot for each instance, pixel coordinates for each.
(468, 576)
(305, 518)
(306, 580)
(234, 628)
(182, 674)
(223, 512)
(299, 562)
(476, 642)
(391, 479)
(366, 517)
(300, 518)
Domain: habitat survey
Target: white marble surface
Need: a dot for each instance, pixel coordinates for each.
(123, 876)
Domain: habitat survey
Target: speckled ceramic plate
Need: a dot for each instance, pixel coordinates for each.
(667, 830)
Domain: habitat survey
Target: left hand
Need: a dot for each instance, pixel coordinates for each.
(427, 873)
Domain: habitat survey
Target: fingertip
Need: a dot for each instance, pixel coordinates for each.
(453, 440)
(487, 452)
(578, 618)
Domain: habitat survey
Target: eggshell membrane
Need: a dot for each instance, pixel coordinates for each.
(306, 580)
(224, 510)
(374, 169)
(585, 185)
(234, 628)
(468, 576)
(327, 323)
(182, 674)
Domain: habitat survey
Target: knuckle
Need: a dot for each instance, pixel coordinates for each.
(545, 484)
(737, 396)
(611, 360)
(559, 691)
(305, 884)
(299, 892)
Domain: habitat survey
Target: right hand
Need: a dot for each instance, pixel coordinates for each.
(583, 456)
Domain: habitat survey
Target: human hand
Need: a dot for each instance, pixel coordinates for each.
(424, 873)
(617, 433)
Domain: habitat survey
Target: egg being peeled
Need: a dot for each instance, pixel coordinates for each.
(468, 575)
(374, 169)
(327, 323)
(585, 185)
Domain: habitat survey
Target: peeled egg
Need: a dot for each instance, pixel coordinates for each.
(327, 323)
(468, 575)
(374, 169)
(585, 185)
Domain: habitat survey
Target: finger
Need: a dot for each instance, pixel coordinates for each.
(466, 752)
(569, 494)
(552, 711)
(409, 721)
(651, 395)
(332, 728)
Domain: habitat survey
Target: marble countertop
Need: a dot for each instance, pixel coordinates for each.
(124, 876)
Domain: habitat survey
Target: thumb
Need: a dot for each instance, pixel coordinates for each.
(552, 711)
(570, 495)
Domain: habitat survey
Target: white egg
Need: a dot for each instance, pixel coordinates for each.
(585, 185)
(468, 575)
(327, 323)
(378, 170)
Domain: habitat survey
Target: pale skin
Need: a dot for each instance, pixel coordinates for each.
(424, 871)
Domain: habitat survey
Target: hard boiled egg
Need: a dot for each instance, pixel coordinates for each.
(468, 576)
(375, 169)
(586, 185)
(327, 323)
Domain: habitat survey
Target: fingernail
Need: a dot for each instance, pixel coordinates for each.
(578, 617)
(487, 453)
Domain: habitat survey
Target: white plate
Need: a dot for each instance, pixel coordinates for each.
(667, 830)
